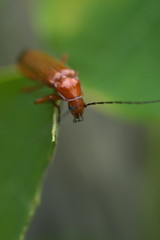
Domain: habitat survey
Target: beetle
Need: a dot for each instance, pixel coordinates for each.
(46, 70)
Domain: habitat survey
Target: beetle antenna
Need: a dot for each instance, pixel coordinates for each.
(122, 102)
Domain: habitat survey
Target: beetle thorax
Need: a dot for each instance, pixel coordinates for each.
(69, 88)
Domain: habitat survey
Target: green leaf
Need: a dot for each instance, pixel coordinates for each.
(114, 45)
(25, 143)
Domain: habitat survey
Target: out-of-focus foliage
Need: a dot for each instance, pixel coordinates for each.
(114, 45)
(25, 142)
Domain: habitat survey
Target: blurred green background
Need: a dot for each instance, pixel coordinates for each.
(104, 181)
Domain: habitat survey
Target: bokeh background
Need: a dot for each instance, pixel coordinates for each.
(104, 180)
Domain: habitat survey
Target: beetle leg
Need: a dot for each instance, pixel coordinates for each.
(49, 98)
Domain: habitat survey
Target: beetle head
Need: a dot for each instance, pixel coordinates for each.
(76, 107)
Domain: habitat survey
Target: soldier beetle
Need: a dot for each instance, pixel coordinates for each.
(46, 70)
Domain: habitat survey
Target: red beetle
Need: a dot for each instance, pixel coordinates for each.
(48, 71)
